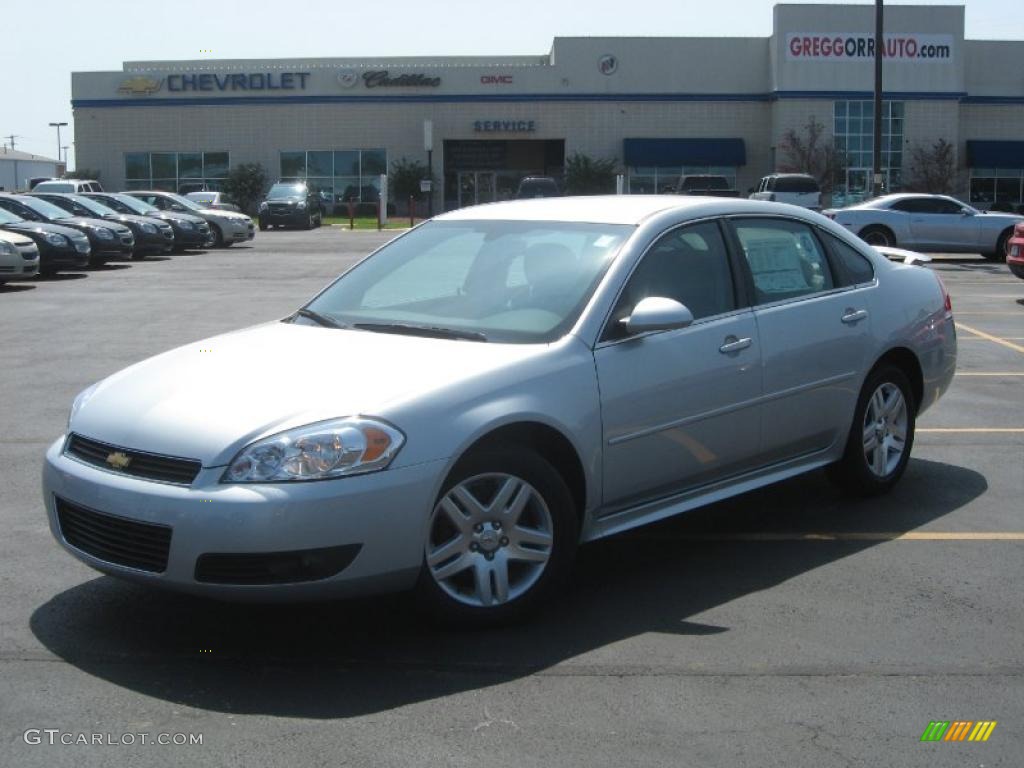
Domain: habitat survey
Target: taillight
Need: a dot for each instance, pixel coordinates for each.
(946, 299)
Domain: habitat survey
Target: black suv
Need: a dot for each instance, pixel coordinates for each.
(537, 186)
(291, 203)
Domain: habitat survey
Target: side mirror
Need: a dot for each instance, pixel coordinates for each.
(965, 212)
(656, 313)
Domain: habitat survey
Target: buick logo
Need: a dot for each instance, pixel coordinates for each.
(347, 79)
(607, 64)
(118, 460)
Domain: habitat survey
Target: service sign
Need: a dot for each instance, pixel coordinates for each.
(860, 46)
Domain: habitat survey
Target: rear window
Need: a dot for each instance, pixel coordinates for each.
(54, 186)
(854, 268)
(799, 184)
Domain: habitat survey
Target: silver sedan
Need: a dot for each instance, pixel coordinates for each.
(461, 409)
(929, 223)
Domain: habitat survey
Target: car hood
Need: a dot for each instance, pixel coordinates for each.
(222, 214)
(175, 216)
(209, 399)
(134, 218)
(90, 223)
(1003, 219)
(43, 229)
(15, 238)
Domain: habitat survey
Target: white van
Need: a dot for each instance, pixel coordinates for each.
(793, 188)
(68, 185)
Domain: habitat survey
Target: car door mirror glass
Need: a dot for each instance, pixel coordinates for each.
(657, 313)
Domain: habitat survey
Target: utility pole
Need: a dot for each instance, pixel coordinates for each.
(58, 126)
(12, 137)
(876, 185)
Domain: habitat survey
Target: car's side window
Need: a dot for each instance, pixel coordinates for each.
(690, 265)
(786, 260)
(854, 267)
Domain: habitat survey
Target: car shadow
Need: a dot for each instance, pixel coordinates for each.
(60, 277)
(108, 267)
(16, 287)
(351, 658)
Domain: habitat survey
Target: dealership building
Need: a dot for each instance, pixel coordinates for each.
(659, 107)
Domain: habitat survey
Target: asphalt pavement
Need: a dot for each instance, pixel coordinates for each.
(787, 627)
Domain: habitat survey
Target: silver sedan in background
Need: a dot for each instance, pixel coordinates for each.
(461, 409)
(934, 223)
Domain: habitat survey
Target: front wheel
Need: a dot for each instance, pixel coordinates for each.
(263, 226)
(1002, 248)
(218, 236)
(881, 436)
(502, 536)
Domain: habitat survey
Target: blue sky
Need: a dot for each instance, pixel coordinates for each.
(45, 41)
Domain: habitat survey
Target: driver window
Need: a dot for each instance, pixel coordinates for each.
(689, 265)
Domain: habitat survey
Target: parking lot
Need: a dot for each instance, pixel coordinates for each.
(787, 627)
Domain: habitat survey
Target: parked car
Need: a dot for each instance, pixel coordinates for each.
(705, 184)
(537, 186)
(1015, 255)
(227, 227)
(68, 185)
(291, 204)
(19, 257)
(189, 231)
(59, 247)
(151, 235)
(458, 426)
(794, 188)
(928, 223)
(107, 239)
(216, 200)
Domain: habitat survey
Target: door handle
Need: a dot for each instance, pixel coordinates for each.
(732, 344)
(854, 315)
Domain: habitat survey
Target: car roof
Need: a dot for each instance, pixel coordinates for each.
(610, 209)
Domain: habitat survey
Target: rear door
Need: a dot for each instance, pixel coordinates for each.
(679, 407)
(814, 327)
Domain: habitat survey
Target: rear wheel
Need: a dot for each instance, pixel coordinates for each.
(263, 226)
(502, 536)
(881, 436)
(876, 235)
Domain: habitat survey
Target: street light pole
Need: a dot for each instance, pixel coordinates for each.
(876, 185)
(58, 126)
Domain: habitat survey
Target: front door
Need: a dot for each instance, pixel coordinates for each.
(476, 187)
(679, 407)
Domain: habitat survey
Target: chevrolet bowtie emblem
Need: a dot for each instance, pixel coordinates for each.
(118, 460)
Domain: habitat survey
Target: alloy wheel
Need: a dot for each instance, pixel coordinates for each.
(491, 537)
(885, 429)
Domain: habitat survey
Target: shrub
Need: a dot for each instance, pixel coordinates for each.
(247, 183)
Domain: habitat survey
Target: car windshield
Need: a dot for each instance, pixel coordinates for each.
(285, 191)
(6, 217)
(505, 281)
(93, 205)
(43, 208)
(192, 205)
(133, 204)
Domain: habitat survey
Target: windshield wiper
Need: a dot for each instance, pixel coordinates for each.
(316, 317)
(421, 330)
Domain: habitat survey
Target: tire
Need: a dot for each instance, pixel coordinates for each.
(218, 236)
(877, 235)
(263, 226)
(139, 256)
(476, 570)
(853, 473)
(1002, 248)
(308, 224)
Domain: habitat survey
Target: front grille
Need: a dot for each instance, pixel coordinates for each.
(7, 269)
(151, 466)
(30, 254)
(275, 567)
(114, 539)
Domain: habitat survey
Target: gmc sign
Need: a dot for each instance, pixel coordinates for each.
(496, 79)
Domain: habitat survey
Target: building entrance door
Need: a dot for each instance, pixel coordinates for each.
(476, 187)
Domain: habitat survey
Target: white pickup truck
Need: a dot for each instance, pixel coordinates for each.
(793, 188)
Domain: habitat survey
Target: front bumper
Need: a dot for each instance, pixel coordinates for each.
(52, 257)
(193, 238)
(121, 245)
(1015, 258)
(385, 513)
(285, 217)
(239, 232)
(160, 241)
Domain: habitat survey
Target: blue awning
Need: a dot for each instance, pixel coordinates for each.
(995, 154)
(655, 152)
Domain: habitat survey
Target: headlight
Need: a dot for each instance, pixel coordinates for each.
(55, 239)
(149, 229)
(264, 206)
(104, 234)
(7, 249)
(80, 400)
(319, 451)
(302, 204)
(186, 225)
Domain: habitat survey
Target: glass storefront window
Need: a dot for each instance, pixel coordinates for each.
(346, 163)
(319, 164)
(293, 165)
(175, 171)
(854, 138)
(374, 162)
(340, 174)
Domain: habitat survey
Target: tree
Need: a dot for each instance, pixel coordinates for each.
(405, 178)
(246, 183)
(933, 169)
(585, 175)
(83, 173)
(809, 151)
